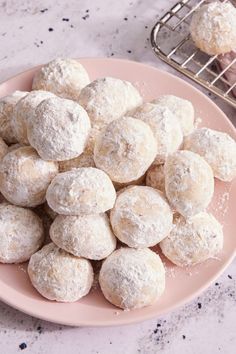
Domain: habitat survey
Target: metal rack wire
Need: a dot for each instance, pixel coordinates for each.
(171, 42)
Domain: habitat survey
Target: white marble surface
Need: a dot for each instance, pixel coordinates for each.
(119, 29)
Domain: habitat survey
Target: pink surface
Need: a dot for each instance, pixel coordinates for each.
(182, 284)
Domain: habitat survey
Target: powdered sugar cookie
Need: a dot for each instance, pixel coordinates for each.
(59, 130)
(155, 177)
(189, 182)
(132, 278)
(81, 191)
(64, 77)
(125, 149)
(88, 236)
(24, 111)
(7, 104)
(213, 28)
(217, 148)
(181, 108)
(24, 177)
(107, 99)
(193, 240)
(165, 127)
(3, 148)
(60, 276)
(141, 217)
(21, 233)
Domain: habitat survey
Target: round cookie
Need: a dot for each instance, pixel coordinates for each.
(63, 77)
(217, 148)
(59, 130)
(88, 236)
(141, 217)
(25, 177)
(165, 127)
(24, 111)
(107, 99)
(189, 182)
(125, 149)
(181, 108)
(21, 233)
(58, 275)
(7, 105)
(132, 278)
(193, 240)
(81, 191)
(3, 148)
(213, 28)
(155, 177)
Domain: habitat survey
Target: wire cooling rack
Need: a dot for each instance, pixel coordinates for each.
(171, 42)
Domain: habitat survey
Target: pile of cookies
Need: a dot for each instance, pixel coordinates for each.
(116, 175)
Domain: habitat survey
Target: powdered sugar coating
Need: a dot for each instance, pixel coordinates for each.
(59, 130)
(3, 148)
(24, 111)
(189, 182)
(132, 278)
(7, 105)
(63, 77)
(88, 236)
(217, 148)
(155, 177)
(193, 240)
(81, 191)
(86, 158)
(25, 177)
(58, 275)
(213, 28)
(181, 108)
(21, 233)
(107, 99)
(165, 126)
(141, 217)
(125, 149)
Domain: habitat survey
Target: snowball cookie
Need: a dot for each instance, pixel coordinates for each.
(3, 148)
(217, 148)
(60, 276)
(7, 104)
(181, 108)
(24, 110)
(85, 190)
(132, 278)
(88, 236)
(25, 177)
(165, 126)
(189, 182)
(125, 149)
(155, 177)
(193, 240)
(59, 130)
(141, 217)
(213, 28)
(64, 77)
(107, 99)
(21, 233)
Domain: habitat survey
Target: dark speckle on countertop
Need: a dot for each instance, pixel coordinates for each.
(43, 10)
(22, 346)
(65, 19)
(50, 29)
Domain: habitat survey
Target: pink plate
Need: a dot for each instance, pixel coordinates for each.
(182, 284)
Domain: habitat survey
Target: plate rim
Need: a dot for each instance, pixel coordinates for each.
(118, 321)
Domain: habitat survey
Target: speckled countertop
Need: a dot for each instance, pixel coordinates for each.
(33, 32)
